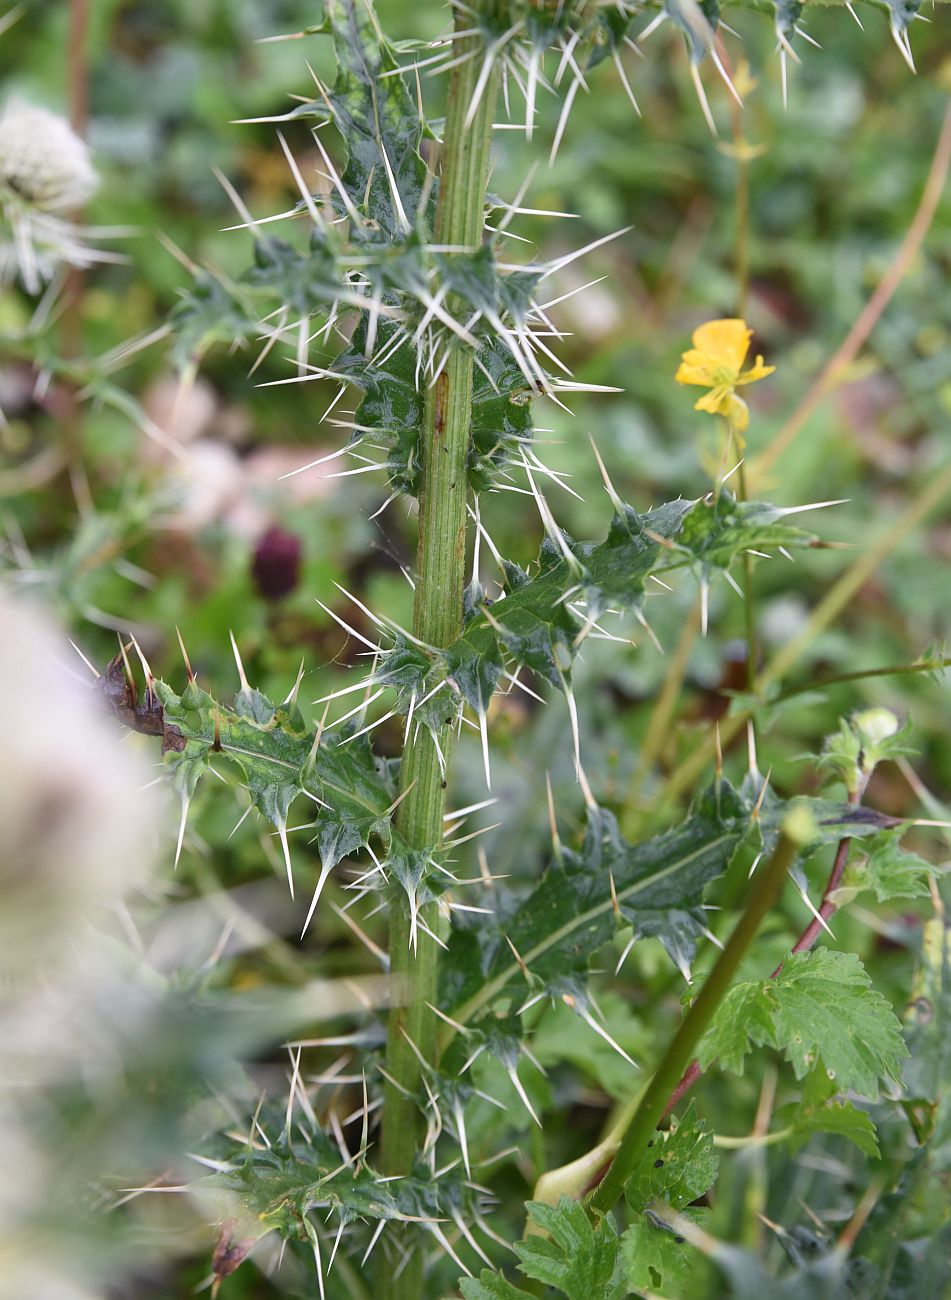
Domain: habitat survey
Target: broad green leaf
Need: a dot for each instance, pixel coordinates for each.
(576, 1257)
(655, 1261)
(840, 1118)
(820, 1008)
(677, 1167)
(818, 1111)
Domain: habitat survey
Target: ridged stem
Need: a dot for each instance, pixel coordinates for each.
(437, 620)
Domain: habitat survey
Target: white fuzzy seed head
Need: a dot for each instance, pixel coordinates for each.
(45, 175)
(42, 159)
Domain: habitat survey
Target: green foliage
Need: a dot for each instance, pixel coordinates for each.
(862, 742)
(820, 1008)
(819, 1111)
(654, 889)
(679, 1167)
(567, 1251)
(889, 869)
(359, 301)
(279, 759)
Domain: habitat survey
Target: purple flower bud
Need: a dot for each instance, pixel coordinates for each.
(275, 565)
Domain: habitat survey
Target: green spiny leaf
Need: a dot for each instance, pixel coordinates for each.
(563, 922)
(272, 749)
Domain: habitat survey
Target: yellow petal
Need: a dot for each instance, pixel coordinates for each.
(726, 340)
(759, 371)
(696, 368)
(716, 402)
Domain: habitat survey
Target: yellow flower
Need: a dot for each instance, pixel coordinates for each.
(716, 362)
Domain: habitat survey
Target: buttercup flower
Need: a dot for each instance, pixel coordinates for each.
(716, 362)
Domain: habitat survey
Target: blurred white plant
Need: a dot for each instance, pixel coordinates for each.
(46, 176)
(74, 832)
(77, 833)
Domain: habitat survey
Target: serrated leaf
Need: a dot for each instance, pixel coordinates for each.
(491, 1286)
(840, 1118)
(654, 1259)
(678, 1167)
(563, 922)
(890, 870)
(818, 1111)
(577, 1257)
(821, 1007)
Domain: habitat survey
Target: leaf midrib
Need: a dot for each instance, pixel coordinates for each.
(495, 986)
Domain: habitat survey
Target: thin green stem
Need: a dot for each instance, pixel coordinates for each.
(437, 620)
(862, 674)
(683, 1044)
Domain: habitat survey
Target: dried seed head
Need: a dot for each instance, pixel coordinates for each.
(45, 175)
(43, 160)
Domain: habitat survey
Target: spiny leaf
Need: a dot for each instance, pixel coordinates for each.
(273, 750)
(574, 910)
(821, 1007)
(378, 119)
(277, 1188)
(532, 625)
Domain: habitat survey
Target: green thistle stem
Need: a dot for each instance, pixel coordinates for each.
(437, 620)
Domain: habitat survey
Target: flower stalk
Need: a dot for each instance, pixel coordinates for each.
(692, 1028)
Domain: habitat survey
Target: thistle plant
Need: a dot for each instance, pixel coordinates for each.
(46, 175)
(396, 288)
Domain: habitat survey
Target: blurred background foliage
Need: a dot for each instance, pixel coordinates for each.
(210, 540)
